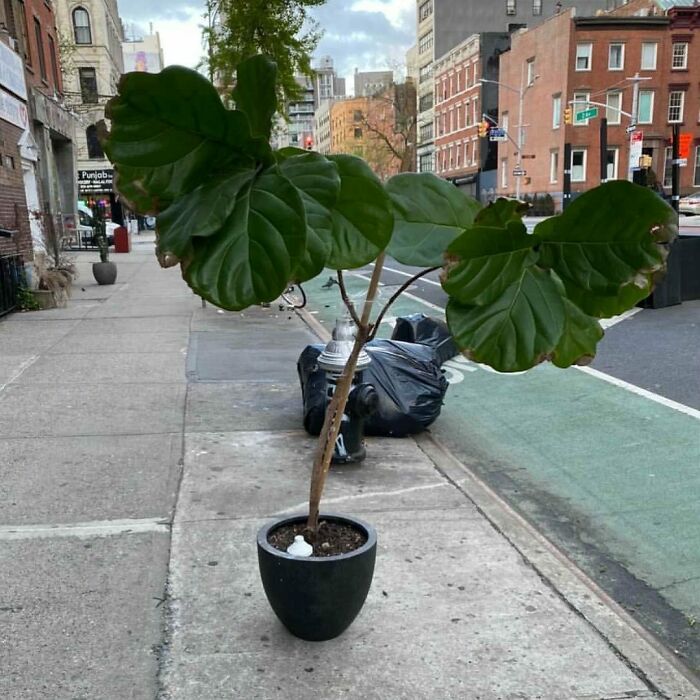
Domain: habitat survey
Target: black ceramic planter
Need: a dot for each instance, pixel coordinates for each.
(317, 598)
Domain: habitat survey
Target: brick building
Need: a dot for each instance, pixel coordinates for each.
(460, 100)
(15, 236)
(592, 60)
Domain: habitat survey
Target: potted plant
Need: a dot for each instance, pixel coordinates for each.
(105, 271)
(243, 221)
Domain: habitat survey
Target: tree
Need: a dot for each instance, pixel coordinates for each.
(239, 29)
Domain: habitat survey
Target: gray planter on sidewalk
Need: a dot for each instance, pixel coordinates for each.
(104, 272)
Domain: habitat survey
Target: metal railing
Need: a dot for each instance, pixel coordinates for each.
(11, 279)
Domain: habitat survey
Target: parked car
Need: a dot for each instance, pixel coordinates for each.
(86, 227)
(690, 205)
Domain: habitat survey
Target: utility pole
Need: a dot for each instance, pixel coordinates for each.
(521, 95)
(603, 150)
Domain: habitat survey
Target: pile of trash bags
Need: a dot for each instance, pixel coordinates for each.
(405, 371)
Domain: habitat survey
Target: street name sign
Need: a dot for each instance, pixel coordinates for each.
(518, 173)
(586, 114)
(496, 134)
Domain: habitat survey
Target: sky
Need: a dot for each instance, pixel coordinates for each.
(363, 34)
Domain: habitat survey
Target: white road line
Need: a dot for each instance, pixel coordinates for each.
(669, 403)
(408, 274)
(99, 528)
(20, 370)
(435, 307)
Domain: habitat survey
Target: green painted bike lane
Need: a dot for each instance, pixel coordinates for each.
(610, 476)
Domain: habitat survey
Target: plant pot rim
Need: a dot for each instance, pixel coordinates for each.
(369, 531)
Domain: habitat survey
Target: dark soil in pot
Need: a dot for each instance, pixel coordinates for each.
(333, 538)
(317, 597)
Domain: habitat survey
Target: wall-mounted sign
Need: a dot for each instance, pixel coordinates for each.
(12, 110)
(95, 180)
(12, 72)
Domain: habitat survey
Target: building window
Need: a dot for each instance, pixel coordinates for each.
(648, 56)
(696, 177)
(613, 158)
(645, 107)
(505, 121)
(81, 26)
(426, 102)
(675, 106)
(425, 72)
(578, 165)
(425, 10)
(40, 49)
(580, 105)
(466, 153)
(556, 111)
(357, 115)
(426, 132)
(476, 117)
(357, 133)
(553, 166)
(20, 15)
(616, 56)
(54, 62)
(614, 103)
(680, 56)
(93, 143)
(425, 43)
(88, 85)
(504, 173)
(583, 56)
(510, 7)
(531, 71)
(536, 7)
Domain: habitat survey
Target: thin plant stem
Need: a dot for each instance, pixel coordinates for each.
(336, 407)
(395, 296)
(346, 299)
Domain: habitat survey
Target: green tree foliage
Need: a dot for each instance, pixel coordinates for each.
(281, 29)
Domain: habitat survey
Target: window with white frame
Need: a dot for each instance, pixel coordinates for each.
(426, 163)
(475, 150)
(425, 10)
(536, 7)
(556, 111)
(467, 113)
(583, 56)
(696, 177)
(424, 72)
(452, 120)
(553, 166)
(578, 165)
(425, 43)
(648, 56)
(613, 159)
(466, 152)
(475, 110)
(613, 100)
(580, 105)
(505, 121)
(645, 107)
(616, 56)
(458, 79)
(676, 98)
(504, 173)
(679, 60)
(510, 7)
(530, 71)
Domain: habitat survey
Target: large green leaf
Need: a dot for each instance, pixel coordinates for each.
(362, 216)
(579, 338)
(318, 181)
(202, 212)
(610, 238)
(169, 133)
(515, 332)
(484, 261)
(251, 259)
(255, 94)
(502, 212)
(429, 213)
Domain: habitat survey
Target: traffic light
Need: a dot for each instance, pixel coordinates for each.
(568, 116)
(483, 128)
(309, 143)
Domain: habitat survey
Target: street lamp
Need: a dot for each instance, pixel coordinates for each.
(521, 134)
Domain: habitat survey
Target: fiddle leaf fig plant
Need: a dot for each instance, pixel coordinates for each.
(243, 221)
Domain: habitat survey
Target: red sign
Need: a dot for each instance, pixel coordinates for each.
(684, 141)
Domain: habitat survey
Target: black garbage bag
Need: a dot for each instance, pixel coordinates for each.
(407, 377)
(419, 328)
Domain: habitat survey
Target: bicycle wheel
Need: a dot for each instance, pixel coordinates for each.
(294, 296)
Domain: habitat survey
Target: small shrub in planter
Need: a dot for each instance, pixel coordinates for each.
(243, 221)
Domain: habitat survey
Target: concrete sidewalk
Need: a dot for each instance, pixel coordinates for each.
(136, 475)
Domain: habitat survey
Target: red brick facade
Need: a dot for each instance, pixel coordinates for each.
(592, 59)
(13, 205)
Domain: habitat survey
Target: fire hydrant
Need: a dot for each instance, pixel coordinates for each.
(363, 399)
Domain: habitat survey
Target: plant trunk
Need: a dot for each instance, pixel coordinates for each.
(336, 408)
